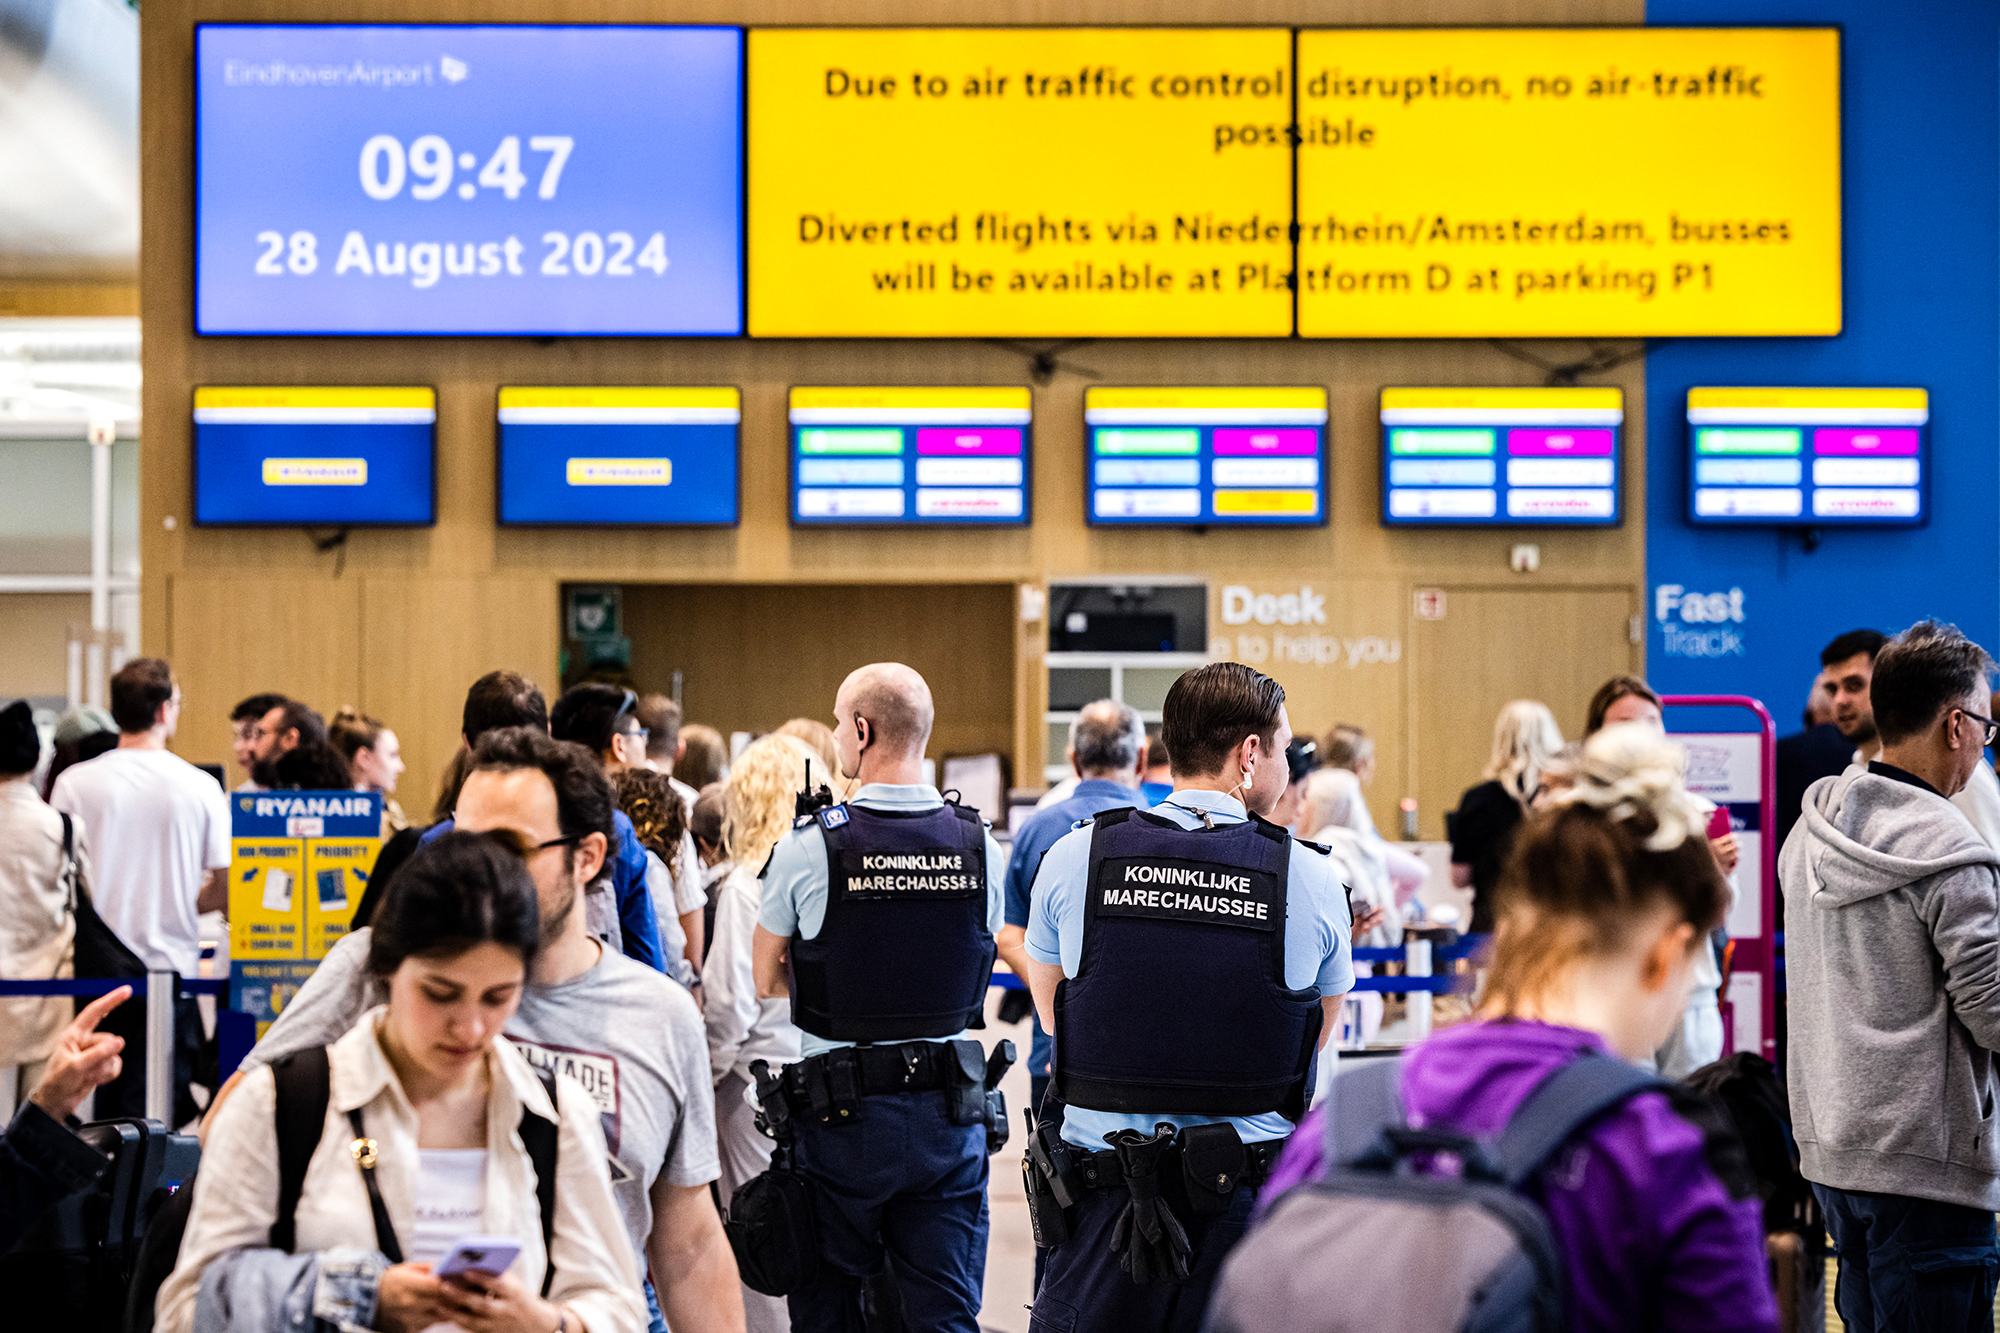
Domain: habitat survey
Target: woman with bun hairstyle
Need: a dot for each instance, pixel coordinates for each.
(376, 757)
(446, 1108)
(1604, 904)
(1697, 1041)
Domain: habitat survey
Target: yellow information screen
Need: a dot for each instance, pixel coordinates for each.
(1542, 182)
(969, 182)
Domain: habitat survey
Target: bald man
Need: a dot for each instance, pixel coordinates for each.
(878, 922)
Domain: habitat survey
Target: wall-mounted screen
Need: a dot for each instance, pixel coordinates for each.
(468, 180)
(1206, 457)
(330, 457)
(1553, 182)
(914, 456)
(1808, 458)
(614, 456)
(1502, 457)
(1020, 181)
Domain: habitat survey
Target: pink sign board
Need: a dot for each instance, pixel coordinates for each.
(1267, 441)
(1559, 443)
(1866, 441)
(969, 441)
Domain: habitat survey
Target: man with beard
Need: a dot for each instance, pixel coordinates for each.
(631, 1036)
(290, 748)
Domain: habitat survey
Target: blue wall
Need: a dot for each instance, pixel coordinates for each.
(1921, 180)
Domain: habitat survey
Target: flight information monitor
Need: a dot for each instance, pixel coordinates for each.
(1206, 457)
(486, 179)
(1808, 457)
(928, 456)
(1501, 457)
(329, 457)
(611, 456)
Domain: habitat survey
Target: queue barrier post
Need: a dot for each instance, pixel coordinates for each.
(1417, 963)
(161, 995)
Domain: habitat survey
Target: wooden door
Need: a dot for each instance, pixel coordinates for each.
(1498, 644)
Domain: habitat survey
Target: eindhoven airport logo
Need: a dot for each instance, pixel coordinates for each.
(279, 73)
(1699, 624)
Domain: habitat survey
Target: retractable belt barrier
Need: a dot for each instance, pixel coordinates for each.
(105, 985)
(1418, 956)
(1445, 984)
(161, 989)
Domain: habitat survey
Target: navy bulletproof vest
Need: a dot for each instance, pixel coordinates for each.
(1179, 1005)
(904, 951)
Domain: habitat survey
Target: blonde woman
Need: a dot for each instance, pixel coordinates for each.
(819, 739)
(1525, 740)
(763, 788)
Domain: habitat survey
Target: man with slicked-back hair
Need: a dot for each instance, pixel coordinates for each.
(1189, 961)
(1892, 967)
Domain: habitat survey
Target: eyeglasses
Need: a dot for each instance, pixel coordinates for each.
(1992, 727)
(638, 734)
(570, 841)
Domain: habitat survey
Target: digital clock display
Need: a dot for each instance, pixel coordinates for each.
(468, 180)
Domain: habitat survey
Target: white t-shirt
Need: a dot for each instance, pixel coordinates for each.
(157, 825)
(450, 1202)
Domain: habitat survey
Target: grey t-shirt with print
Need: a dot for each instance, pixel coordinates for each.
(632, 1037)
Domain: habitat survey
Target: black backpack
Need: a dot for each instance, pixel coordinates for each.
(304, 1085)
(1404, 1251)
(1746, 1087)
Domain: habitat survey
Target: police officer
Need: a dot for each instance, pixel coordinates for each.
(1189, 960)
(878, 920)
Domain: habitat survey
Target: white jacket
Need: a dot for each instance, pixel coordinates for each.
(741, 1027)
(36, 929)
(236, 1193)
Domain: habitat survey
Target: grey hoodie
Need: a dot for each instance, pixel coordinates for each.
(1892, 961)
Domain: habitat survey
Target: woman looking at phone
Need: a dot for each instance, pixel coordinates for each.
(423, 1082)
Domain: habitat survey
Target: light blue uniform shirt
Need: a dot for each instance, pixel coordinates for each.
(1318, 945)
(795, 882)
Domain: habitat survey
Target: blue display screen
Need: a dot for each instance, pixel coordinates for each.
(1809, 457)
(1206, 457)
(324, 457)
(468, 180)
(610, 456)
(1508, 457)
(911, 456)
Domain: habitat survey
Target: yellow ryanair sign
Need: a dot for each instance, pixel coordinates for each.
(961, 182)
(1540, 182)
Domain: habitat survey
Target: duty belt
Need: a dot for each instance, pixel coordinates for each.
(829, 1088)
(1100, 1170)
(867, 1071)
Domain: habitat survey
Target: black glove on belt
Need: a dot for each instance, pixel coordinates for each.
(1150, 1238)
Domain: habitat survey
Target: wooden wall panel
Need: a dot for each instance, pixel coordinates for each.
(425, 640)
(232, 637)
(1496, 644)
(32, 649)
(473, 596)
